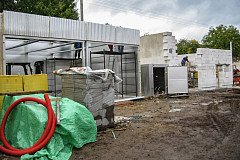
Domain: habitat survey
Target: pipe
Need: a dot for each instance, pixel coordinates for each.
(46, 136)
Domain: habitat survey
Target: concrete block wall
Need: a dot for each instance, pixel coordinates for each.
(208, 62)
(157, 48)
(211, 61)
(176, 61)
(169, 47)
(207, 77)
(225, 76)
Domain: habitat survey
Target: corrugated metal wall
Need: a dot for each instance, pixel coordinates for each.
(100, 32)
(50, 27)
(128, 36)
(65, 28)
(25, 24)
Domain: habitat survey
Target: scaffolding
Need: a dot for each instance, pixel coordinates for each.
(124, 64)
(52, 64)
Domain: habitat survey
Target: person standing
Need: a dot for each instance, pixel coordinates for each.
(78, 47)
(184, 60)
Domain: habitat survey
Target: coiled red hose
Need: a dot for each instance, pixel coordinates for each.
(44, 139)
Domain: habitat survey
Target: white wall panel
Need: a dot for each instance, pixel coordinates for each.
(177, 80)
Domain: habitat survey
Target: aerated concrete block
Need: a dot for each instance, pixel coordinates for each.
(97, 95)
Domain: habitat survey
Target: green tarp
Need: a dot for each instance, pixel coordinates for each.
(27, 121)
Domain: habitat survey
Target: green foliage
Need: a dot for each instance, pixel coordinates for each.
(220, 38)
(55, 8)
(185, 46)
(6, 5)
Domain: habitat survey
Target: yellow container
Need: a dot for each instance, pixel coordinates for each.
(35, 82)
(1, 102)
(16, 83)
(195, 75)
(11, 83)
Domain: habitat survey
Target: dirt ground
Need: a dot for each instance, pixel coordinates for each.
(201, 127)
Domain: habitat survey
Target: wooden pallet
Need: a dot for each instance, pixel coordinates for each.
(23, 93)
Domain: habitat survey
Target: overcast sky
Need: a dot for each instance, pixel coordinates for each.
(189, 19)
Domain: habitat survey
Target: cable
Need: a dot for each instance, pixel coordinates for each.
(46, 136)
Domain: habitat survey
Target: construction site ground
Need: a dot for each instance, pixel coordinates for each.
(203, 126)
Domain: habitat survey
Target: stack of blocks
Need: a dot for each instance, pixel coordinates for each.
(93, 92)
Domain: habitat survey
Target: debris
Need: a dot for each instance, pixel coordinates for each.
(58, 111)
(175, 110)
(206, 104)
(120, 129)
(114, 136)
(217, 102)
(120, 119)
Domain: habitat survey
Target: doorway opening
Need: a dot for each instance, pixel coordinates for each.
(159, 80)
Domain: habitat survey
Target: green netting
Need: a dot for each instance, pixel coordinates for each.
(27, 121)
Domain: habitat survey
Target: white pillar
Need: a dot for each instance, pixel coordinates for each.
(86, 54)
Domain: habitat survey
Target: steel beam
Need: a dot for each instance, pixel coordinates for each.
(23, 44)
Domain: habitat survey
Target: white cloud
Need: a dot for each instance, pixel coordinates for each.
(183, 22)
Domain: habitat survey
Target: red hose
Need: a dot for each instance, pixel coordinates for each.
(46, 136)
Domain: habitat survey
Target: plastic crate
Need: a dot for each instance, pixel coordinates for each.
(35, 82)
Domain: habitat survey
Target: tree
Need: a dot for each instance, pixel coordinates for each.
(6, 5)
(185, 46)
(220, 38)
(55, 8)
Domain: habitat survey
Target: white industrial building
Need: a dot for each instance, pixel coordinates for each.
(28, 38)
